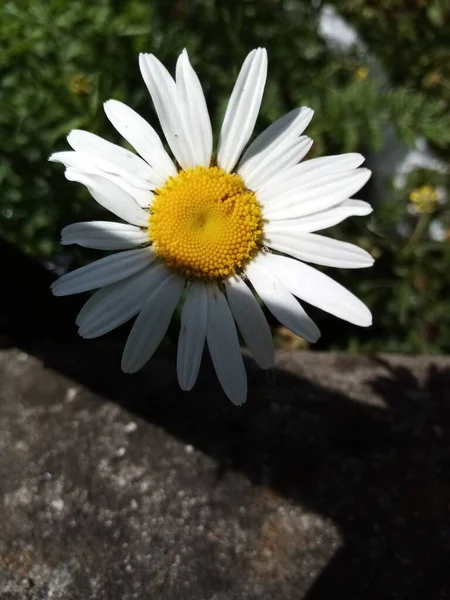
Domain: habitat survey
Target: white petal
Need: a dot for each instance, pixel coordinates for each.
(163, 91)
(90, 165)
(95, 299)
(223, 344)
(243, 108)
(142, 137)
(251, 321)
(103, 272)
(152, 323)
(193, 112)
(192, 335)
(287, 154)
(104, 235)
(111, 197)
(115, 304)
(325, 193)
(143, 197)
(97, 165)
(318, 289)
(320, 220)
(267, 144)
(281, 302)
(320, 250)
(308, 171)
(112, 158)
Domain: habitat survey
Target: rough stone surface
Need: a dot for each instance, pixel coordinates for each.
(333, 480)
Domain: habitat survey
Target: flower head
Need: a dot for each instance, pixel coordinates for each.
(214, 229)
(79, 85)
(362, 73)
(424, 199)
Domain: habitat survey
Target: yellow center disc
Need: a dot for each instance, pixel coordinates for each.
(205, 224)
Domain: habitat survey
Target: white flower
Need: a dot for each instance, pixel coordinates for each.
(219, 228)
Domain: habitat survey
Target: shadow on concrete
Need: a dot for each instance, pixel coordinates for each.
(381, 474)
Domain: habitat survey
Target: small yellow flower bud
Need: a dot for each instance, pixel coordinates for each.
(424, 198)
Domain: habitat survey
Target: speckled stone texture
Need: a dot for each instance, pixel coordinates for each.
(332, 481)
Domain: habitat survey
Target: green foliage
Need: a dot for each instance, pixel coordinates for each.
(61, 59)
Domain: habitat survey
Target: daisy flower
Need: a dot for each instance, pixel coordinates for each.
(211, 229)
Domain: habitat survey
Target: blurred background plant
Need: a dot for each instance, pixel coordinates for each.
(384, 91)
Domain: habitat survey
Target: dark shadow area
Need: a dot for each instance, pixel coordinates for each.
(380, 473)
(394, 499)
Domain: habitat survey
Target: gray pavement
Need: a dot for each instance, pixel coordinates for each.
(333, 479)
